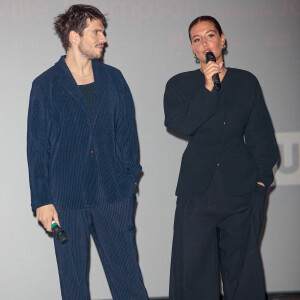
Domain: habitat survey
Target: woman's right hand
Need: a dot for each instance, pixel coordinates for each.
(209, 70)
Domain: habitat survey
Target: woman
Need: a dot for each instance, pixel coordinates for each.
(225, 172)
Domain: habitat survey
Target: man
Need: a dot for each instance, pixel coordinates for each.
(83, 159)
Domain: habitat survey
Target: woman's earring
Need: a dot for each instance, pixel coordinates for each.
(196, 58)
(223, 47)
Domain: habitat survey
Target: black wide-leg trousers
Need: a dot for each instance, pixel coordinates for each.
(214, 234)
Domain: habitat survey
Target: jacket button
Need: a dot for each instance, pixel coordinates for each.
(218, 165)
(92, 151)
(224, 123)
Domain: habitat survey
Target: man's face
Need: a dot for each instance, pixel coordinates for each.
(92, 42)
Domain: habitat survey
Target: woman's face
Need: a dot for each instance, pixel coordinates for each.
(205, 37)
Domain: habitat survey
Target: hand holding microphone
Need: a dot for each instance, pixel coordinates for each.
(211, 72)
(48, 216)
(60, 235)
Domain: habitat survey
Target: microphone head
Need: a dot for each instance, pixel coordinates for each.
(62, 237)
(210, 57)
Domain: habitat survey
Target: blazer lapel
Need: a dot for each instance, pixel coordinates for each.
(66, 79)
(100, 87)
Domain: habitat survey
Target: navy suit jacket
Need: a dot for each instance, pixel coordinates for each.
(75, 160)
(228, 129)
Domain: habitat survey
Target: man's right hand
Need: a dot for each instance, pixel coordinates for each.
(46, 214)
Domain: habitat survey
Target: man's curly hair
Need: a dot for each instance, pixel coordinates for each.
(75, 19)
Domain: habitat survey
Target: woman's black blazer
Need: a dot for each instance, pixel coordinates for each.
(228, 129)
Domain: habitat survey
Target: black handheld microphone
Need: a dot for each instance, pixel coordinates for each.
(60, 235)
(216, 79)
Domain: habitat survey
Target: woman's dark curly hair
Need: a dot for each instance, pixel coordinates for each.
(75, 19)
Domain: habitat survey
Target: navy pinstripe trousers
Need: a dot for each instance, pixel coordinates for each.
(112, 228)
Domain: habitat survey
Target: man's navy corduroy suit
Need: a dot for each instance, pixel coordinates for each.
(87, 168)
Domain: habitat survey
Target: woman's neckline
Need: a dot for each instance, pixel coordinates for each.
(225, 75)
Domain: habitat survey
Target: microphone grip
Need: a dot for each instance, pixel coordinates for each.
(217, 82)
(216, 79)
(60, 235)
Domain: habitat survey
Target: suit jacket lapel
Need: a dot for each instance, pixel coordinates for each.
(66, 79)
(100, 86)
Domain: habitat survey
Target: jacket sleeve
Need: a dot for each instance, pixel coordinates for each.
(185, 116)
(38, 131)
(260, 139)
(126, 132)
